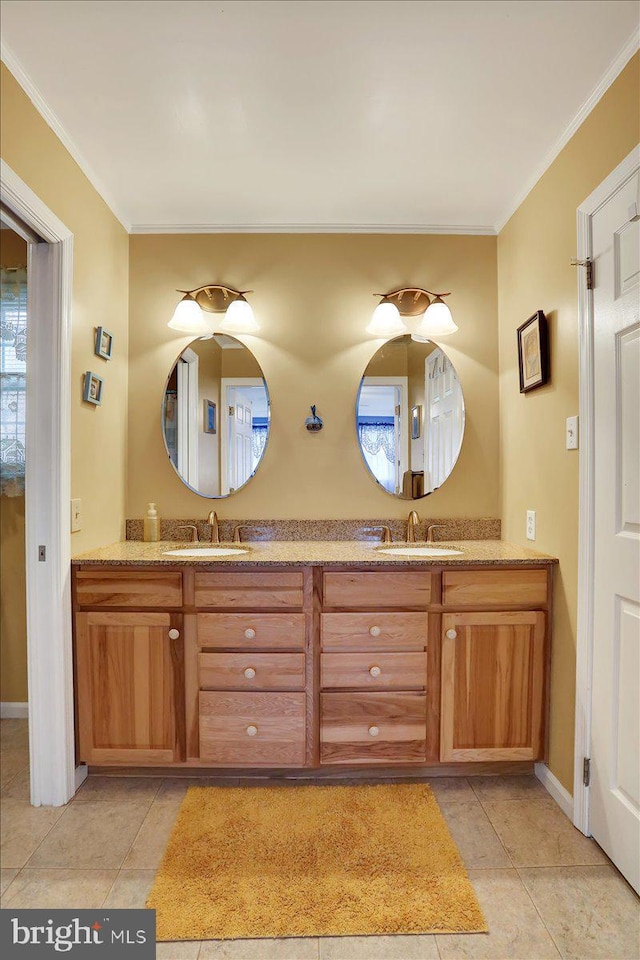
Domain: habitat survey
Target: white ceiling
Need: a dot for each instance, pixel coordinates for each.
(315, 114)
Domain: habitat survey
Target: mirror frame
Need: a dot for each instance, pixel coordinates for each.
(206, 496)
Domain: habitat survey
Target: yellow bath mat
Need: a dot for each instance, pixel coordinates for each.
(311, 861)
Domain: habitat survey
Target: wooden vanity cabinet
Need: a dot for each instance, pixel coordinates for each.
(249, 660)
(130, 687)
(373, 667)
(492, 686)
(310, 667)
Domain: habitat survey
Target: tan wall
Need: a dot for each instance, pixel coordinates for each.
(13, 600)
(313, 298)
(534, 272)
(100, 298)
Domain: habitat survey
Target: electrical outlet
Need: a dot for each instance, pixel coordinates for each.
(531, 524)
(76, 515)
(572, 433)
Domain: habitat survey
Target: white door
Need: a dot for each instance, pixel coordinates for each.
(240, 437)
(615, 726)
(444, 419)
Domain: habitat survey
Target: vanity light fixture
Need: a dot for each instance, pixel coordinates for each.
(190, 314)
(434, 321)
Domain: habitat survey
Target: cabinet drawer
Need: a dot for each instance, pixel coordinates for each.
(128, 589)
(374, 631)
(377, 589)
(265, 631)
(252, 729)
(479, 588)
(281, 589)
(373, 728)
(257, 671)
(374, 670)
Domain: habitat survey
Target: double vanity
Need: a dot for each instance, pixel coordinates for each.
(309, 657)
(312, 658)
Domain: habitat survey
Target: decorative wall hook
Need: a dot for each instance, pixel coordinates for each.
(314, 422)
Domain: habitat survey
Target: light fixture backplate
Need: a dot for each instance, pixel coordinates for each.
(410, 302)
(216, 299)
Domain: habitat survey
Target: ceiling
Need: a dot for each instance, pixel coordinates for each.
(387, 115)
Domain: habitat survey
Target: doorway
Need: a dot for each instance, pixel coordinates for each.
(53, 775)
(607, 785)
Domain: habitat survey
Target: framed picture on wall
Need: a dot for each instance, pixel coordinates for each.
(104, 343)
(92, 392)
(533, 352)
(416, 422)
(209, 416)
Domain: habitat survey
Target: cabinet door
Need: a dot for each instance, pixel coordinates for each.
(492, 686)
(130, 683)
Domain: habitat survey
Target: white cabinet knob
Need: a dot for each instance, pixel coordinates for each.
(375, 671)
(249, 673)
(374, 631)
(249, 633)
(174, 634)
(374, 731)
(251, 730)
(451, 634)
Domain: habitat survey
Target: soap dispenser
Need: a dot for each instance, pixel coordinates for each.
(152, 524)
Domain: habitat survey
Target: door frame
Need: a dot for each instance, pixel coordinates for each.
(402, 383)
(188, 410)
(47, 497)
(586, 527)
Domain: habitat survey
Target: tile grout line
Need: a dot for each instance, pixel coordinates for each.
(130, 847)
(556, 945)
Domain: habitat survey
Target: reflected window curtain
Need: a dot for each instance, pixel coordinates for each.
(377, 442)
(13, 379)
(259, 432)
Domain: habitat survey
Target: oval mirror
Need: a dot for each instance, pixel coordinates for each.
(215, 415)
(410, 417)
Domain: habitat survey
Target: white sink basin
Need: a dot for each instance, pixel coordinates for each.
(206, 551)
(419, 551)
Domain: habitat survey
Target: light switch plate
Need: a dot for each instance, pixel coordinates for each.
(76, 515)
(572, 433)
(531, 524)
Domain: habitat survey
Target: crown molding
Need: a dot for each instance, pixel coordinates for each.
(416, 228)
(13, 64)
(615, 69)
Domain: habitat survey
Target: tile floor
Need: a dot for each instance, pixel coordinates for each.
(546, 890)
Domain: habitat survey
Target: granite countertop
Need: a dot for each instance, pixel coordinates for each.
(315, 552)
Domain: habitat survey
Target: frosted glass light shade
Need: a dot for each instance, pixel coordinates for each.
(239, 318)
(386, 321)
(436, 322)
(189, 318)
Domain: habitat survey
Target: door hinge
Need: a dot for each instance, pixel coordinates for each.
(232, 411)
(589, 266)
(42, 553)
(586, 771)
(397, 409)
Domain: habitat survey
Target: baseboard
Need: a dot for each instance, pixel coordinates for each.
(14, 711)
(82, 772)
(553, 786)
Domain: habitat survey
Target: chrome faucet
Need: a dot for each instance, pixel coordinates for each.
(384, 529)
(193, 528)
(212, 520)
(412, 521)
(431, 528)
